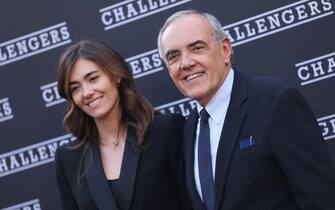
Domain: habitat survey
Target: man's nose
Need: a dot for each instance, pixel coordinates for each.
(187, 61)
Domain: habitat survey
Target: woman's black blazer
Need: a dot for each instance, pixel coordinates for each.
(151, 176)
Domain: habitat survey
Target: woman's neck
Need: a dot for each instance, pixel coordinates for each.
(111, 128)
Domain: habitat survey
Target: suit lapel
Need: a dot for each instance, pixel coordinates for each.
(97, 181)
(189, 139)
(235, 116)
(128, 169)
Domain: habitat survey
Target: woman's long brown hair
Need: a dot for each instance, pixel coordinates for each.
(137, 112)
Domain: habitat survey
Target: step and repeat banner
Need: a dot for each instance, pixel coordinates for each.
(292, 40)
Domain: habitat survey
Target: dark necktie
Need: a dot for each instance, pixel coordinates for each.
(205, 162)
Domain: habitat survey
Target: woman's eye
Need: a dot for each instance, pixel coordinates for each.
(73, 89)
(93, 79)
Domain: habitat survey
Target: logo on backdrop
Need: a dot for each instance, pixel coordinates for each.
(31, 156)
(327, 125)
(277, 20)
(316, 69)
(50, 94)
(128, 11)
(34, 43)
(6, 112)
(145, 63)
(28, 205)
(250, 29)
(182, 106)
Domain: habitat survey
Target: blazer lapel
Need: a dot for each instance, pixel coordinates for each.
(97, 181)
(128, 169)
(189, 139)
(235, 116)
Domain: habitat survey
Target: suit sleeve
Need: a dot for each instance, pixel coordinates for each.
(176, 158)
(300, 150)
(67, 199)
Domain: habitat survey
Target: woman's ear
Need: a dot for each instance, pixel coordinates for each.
(117, 80)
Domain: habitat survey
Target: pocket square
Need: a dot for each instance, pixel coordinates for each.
(244, 143)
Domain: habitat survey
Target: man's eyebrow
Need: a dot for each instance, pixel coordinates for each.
(196, 43)
(172, 51)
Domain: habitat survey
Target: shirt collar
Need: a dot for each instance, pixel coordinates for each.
(214, 107)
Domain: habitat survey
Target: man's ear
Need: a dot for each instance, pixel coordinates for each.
(227, 50)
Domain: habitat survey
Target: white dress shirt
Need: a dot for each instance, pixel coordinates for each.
(217, 110)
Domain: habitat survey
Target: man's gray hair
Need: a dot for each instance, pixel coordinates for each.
(212, 21)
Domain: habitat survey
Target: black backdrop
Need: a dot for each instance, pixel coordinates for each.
(292, 40)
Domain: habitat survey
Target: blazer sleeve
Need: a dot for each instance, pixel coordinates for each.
(67, 199)
(300, 150)
(177, 158)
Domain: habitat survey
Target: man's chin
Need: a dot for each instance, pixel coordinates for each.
(200, 98)
(196, 97)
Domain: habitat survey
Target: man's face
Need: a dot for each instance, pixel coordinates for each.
(197, 63)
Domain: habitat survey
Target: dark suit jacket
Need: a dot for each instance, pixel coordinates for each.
(286, 166)
(151, 177)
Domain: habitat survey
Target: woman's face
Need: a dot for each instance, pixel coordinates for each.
(92, 90)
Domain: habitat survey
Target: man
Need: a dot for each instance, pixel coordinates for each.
(251, 143)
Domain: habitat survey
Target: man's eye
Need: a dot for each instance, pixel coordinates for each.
(198, 48)
(172, 59)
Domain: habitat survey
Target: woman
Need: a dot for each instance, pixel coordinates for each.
(125, 157)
